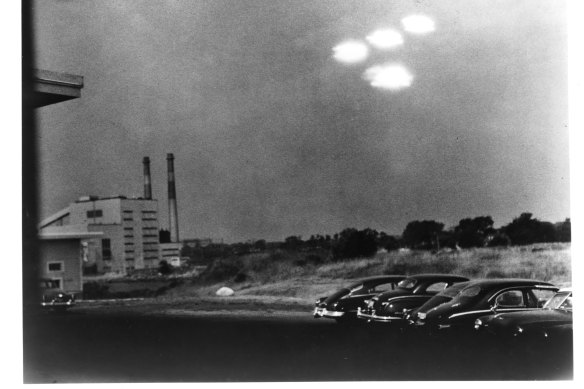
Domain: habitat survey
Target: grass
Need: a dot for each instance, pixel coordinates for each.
(305, 276)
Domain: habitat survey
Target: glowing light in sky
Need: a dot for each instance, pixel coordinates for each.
(418, 24)
(350, 52)
(389, 76)
(385, 39)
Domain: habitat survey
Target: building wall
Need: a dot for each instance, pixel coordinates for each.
(99, 211)
(111, 260)
(130, 232)
(140, 225)
(66, 255)
(169, 251)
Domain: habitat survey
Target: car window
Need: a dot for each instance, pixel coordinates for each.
(358, 289)
(470, 291)
(540, 297)
(408, 283)
(567, 304)
(510, 298)
(384, 287)
(436, 287)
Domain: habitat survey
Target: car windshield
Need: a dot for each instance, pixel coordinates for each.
(453, 290)
(408, 283)
(443, 297)
(562, 300)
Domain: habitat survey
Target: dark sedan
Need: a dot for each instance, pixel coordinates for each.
(460, 307)
(53, 297)
(553, 322)
(342, 305)
(412, 292)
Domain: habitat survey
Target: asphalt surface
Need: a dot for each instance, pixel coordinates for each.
(90, 346)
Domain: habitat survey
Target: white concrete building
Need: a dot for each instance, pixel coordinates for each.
(129, 228)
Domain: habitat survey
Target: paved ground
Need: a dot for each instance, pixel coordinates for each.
(155, 343)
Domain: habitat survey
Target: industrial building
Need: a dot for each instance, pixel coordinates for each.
(128, 227)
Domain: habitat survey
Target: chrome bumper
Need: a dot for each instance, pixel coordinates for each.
(323, 312)
(57, 304)
(373, 317)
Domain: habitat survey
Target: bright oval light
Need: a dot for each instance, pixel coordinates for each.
(418, 24)
(350, 52)
(389, 76)
(385, 39)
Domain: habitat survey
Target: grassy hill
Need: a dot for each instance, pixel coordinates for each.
(305, 276)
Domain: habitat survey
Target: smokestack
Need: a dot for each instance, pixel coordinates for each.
(172, 210)
(147, 182)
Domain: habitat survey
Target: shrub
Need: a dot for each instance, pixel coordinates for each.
(499, 239)
(95, 290)
(164, 267)
(222, 269)
(240, 277)
(353, 243)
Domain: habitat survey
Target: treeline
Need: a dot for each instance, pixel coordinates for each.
(419, 235)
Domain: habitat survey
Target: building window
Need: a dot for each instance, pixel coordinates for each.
(106, 249)
(94, 213)
(55, 266)
(128, 216)
(149, 235)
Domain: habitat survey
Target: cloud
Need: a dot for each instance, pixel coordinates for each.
(418, 24)
(389, 76)
(385, 39)
(350, 52)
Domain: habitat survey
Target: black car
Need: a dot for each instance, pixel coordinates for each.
(391, 306)
(459, 306)
(342, 305)
(552, 323)
(53, 297)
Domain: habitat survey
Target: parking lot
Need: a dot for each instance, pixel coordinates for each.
(181, 346)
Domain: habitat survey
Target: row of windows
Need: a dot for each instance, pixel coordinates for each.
(94, 213)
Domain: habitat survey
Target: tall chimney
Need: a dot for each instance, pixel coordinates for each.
(147, 182)
(172, 210)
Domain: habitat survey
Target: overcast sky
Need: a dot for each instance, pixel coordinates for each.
(304, 117)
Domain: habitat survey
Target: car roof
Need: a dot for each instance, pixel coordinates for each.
(431, 276)
(507, 282)
(382, 278)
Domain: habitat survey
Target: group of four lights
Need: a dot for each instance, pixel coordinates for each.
(388, 76)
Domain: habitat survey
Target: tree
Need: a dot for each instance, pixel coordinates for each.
(293, 242)
(164, 267)
(474, 232)
(527, 230)
(353, 243)
(388, 242)
(260, 244)
(422, 234)
(564, 231)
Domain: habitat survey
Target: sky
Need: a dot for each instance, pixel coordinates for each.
(308, 117)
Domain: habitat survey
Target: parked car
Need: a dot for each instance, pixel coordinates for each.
(53, 297)
(392, 306)
(460, 307)
(342, 305)
(552, 323)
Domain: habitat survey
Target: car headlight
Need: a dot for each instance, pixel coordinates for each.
(478, 323)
